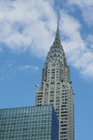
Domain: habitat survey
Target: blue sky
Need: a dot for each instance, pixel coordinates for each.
(27, 30)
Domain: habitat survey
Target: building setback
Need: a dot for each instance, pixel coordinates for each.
(29, 123)
(56, 88)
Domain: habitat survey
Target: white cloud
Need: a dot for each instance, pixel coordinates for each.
(91, 45)
(25, 24)
(88, 15)
(75, 47)
(87, 9)
(89, 71)
(28, 67)
(90, 38)
(81, 2)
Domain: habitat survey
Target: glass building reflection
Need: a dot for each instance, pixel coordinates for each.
(29, 123)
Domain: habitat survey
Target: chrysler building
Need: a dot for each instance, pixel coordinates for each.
(56, 88)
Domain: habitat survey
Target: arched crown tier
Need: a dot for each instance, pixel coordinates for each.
(56, 53)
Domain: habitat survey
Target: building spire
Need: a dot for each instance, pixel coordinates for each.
(58, 22)
(57, 38)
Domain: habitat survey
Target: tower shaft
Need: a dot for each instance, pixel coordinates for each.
(56, 88)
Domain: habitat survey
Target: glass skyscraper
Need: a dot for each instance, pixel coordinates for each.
(29, 123)
(56, 88)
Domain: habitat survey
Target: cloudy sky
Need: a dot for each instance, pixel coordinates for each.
(27, 30)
